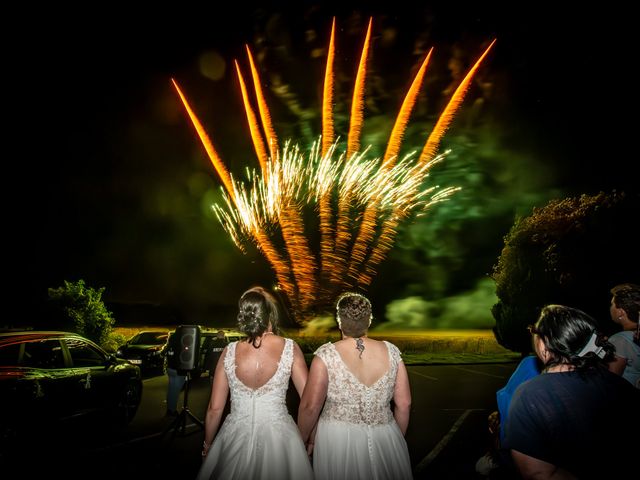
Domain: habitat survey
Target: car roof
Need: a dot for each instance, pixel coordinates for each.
(227, 331)
(157, 332)
(42, 333)
(24, 335)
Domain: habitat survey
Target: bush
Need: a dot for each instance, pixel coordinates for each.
(80, 309)
(114, 341)
(570, 252)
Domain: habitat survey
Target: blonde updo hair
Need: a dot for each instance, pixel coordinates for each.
(353, 314)
(257, 308)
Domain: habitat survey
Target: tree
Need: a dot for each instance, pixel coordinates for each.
(78, 308)
(570, 252)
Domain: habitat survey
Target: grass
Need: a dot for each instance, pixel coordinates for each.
(430, 347)
(418, 347)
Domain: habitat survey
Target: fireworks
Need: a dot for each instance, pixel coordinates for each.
(359, 200)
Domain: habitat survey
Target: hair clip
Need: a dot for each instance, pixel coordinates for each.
(593, 347)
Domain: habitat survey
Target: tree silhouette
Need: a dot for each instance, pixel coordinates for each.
(572, 252)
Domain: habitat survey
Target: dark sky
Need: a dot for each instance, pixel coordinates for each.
(106, 181)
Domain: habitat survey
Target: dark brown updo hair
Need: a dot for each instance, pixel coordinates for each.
(257, 308)
(353, 314)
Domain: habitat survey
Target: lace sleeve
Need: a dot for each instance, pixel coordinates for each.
(230, 359)
(395, 353)
(323, 352)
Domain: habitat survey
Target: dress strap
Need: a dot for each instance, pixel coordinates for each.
(230, 360)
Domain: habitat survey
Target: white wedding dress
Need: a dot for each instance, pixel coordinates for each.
(258, 439)
(357, 436)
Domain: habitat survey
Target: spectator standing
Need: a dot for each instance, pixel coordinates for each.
(176, 378)
(625, 311)
(497, 463)
(572, 419)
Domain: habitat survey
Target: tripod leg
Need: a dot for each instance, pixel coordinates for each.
(180, 422)
(181, 426)
(173, 427)
(195, 419)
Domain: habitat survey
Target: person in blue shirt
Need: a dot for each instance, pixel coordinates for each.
(497, 463)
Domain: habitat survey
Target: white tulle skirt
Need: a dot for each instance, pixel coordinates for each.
(360, 452)
(267, 450)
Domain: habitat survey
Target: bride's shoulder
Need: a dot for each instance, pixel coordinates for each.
(393, 350)
(323, 350)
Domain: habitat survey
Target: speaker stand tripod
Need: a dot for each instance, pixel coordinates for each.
(180, 422)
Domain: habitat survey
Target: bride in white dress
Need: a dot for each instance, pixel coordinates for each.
(356, 435)
(258, 439)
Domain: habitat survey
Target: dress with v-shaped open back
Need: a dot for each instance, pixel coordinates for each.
(258, 439)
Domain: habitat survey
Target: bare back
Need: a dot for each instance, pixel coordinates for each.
(369, 367)
(256, 366)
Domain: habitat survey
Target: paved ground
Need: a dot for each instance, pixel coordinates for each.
(447, 431)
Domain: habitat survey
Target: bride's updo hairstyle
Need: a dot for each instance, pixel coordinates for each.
(353, 314)
(257, 308)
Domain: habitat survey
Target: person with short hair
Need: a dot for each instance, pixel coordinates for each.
(258, 439)
(625, 311)
(345, 414)
(572, 419)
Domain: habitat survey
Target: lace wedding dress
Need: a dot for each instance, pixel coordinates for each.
(258, 439)
(357, 436)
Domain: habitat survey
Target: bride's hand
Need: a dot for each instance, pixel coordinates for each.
(205, 449)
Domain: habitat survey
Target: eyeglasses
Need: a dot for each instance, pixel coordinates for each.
(533, 330)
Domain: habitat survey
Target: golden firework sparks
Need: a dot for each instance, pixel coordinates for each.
(360, 201)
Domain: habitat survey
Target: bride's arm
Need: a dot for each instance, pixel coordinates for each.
(217, 402)
(315, 393)
(299, 370)
(402, 398)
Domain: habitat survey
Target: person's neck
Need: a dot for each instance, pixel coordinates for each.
(562, 367)
(347, 337)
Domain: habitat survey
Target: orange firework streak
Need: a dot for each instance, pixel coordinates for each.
(280, 267)
(368, 224)
(395, 139)
(343, 234)
(357, 103)
(300, 256)
(429, 150)
(208, 146)
(385, 241)
(256, 136)
(270, 133)
(328, 135)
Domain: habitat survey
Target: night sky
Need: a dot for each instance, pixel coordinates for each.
(106, 181)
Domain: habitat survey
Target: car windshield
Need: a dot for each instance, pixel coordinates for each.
(149, 338)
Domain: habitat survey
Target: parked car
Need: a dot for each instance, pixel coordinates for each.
(206, 335)
(145, 350)
(48, 378)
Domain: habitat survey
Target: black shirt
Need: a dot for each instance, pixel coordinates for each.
(216, 347)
